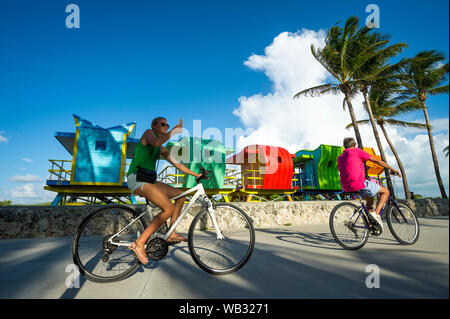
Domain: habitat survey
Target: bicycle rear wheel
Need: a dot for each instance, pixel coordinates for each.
(221, 256)
(348, 226)
(403, 224)
(98, 260)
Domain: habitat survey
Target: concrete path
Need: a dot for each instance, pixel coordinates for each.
(289, 262)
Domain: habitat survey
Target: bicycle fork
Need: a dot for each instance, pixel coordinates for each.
(216, 226)
(208, 205)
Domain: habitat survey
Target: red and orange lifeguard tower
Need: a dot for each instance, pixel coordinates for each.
(265, 171)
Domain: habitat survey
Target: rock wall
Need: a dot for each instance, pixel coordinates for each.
(60, 221)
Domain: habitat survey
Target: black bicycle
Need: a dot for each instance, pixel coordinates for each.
(351, 225)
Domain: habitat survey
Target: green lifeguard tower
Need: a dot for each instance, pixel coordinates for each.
(194, 152)
(315, 171)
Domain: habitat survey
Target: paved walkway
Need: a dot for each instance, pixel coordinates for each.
(289, 262)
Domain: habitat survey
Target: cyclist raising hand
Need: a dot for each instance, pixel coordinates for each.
(143, 164)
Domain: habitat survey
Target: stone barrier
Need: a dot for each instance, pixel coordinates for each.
(61, 221)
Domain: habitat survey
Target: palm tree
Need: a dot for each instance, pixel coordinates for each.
(424, 76)
(356, 59)
(385, 106)
(337, 57)
(375, 71)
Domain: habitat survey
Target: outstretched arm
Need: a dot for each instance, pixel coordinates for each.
(165, 153)
(384, 164)
(152, 139)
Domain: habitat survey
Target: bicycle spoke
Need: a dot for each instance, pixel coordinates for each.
(98, 258)
(403, 224)
(221, 255)
(348, 226)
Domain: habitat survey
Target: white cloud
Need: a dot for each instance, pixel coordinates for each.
(279, 119)
(416, 157)
(24, 191)
(27, 160)
(29, 193)
(305, 123)
(25, 179)
(439, 125)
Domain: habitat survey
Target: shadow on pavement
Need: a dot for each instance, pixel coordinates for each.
(295, 269)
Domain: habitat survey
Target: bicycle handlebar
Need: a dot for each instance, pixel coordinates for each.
(205, 175)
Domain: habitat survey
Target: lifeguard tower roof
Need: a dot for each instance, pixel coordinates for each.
(67, 139)
(97, 170)
(98, 154)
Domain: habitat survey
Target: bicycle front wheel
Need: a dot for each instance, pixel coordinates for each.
(348, 226)
(98, 259)
(221, 256)
(403, 224)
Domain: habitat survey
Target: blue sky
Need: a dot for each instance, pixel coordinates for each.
(134, 60)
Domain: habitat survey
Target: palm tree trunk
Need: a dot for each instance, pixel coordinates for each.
(433, 152)
(399, 162)
(354, 122)
(355, 127)
(377, 139)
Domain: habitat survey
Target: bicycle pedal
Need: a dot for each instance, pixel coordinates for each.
(375, 230)
(173, 243)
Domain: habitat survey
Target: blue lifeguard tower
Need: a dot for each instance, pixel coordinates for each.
(97, 170)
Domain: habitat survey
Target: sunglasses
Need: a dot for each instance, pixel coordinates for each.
(165, 124)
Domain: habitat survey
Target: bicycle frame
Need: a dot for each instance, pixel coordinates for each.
(363, 207)
(199, 195)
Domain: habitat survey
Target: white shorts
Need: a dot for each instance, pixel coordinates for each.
(371, 189)
(133, 184)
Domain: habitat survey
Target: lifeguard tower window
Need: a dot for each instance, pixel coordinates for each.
(280, 160)
(100, 145)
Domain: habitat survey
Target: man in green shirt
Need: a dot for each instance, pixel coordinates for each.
(145, 155)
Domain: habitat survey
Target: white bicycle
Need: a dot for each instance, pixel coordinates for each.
(221, 238)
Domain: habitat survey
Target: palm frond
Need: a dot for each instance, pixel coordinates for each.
(410, 105)
(327, 60)
(426, 71)
(439, 90)
(359, 122)
(319, 90)
(405, 124)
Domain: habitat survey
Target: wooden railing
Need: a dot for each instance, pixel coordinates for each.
(60, 173)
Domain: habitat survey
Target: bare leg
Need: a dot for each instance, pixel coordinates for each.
(369, 203)
(179, 203)
(155, 195)
(162, 199)
(383, 197)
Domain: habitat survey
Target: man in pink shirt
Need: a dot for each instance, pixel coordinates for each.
(353, 178)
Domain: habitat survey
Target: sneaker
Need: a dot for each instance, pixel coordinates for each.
(377, 219)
